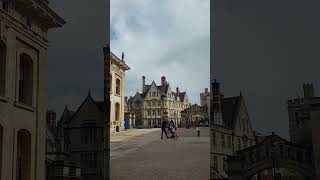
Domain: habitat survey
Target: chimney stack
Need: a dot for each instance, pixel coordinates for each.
(178, 92)
(163, 81)
(143, 84)
(308, 90)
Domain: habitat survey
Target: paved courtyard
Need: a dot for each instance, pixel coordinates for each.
(140, 154)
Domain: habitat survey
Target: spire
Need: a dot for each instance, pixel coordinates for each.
(122, 57)
(89, 93)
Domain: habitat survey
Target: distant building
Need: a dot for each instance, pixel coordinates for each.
(230, 130)
(82, 133)
(58, 164)
(193, 115)
(117, 93)
(205, 100)
(24, 26)
(304, 122)
(150, 105)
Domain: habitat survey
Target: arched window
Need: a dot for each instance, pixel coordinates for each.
(117, 112)
(118, 86)
(3, 55)
(23, 155)
(26, 79)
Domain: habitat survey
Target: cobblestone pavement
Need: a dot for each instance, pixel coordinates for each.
(141, 155)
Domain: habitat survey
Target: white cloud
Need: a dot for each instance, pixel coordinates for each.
(163, 38)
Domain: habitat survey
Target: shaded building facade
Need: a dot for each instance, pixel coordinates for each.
(230, 130)
(24, 26)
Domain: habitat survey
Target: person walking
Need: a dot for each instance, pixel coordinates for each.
(163, 128)
(198, 131)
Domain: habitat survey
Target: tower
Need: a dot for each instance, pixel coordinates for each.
(217, 98)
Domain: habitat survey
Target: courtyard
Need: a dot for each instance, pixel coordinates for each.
(140, 154)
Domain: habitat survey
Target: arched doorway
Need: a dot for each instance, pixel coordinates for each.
(23, 155)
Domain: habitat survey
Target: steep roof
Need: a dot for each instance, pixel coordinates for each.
(229, 110)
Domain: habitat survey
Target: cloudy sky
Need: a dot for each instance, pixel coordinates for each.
(163, 38)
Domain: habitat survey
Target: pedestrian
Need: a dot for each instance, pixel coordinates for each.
(163, 128)
(198, 131)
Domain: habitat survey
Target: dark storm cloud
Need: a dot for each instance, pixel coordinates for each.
(266, 49)
(75, 55)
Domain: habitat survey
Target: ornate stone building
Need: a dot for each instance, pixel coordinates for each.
(150, 105)
(24, 26)
(230, 130)
(304, 126)
(193, 115)
(58, 163)
(117, 92)
(82, 133)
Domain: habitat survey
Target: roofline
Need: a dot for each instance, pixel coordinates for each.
(118, 60)
(51, 12)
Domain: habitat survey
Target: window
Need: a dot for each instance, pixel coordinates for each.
(26, 79)
(28, 22)
(229, 141)
(215, 162)
(154, 103)
(239, 144)
(154, 112)
(117, 112)
(149, 103)
(23, 155)
(118, 86)
(159, 103)
(224, 164)
(3, 57)
(149, 112)
(223, 144)
(214, 141)
(89, 160)
(159, 112)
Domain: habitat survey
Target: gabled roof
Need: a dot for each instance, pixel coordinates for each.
(230, 108)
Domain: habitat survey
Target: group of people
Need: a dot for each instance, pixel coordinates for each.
(168, 128)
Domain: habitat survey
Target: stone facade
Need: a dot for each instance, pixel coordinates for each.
(58, 164)
(230, 130)
(24, 26)
(150, 105)
(304, 127)
(193, 115)
(82, 133)
(117, 92)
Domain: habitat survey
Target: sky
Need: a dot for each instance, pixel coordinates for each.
(266, 49)
(75, 55)
(163, 38)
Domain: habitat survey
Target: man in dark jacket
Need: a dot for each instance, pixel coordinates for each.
(163, 128)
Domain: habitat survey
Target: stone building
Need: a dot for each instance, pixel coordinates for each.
(150, 105)
(117, 92)
(58, 164)
(193, 115)
(230, 130)
(205, 100)
(24, 26)
(304, 126)
(82, 133)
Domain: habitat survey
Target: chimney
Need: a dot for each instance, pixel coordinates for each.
(178, 92)
(206, 90)
(126, 99)
(217, 97)
(163, 81)
(308, 90)
(143, 84)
